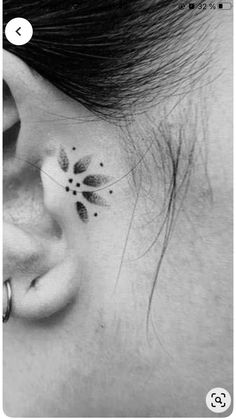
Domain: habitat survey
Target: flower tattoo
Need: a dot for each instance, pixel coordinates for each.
(75, 184)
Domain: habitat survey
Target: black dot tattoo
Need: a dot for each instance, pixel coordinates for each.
(67, 189)
(73, 148)
(101, 164)
(110, 192)
(78, 185)
(74, 193)
(70, 180)
(95, 214)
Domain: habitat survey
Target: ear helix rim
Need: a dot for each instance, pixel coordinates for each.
(6, 315)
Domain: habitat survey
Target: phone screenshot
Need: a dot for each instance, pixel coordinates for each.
(117, 208)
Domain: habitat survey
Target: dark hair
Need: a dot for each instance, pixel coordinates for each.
(110, 55)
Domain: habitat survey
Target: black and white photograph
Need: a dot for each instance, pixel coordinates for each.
(117, 208)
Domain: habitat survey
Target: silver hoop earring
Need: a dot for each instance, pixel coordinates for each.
(7, 313)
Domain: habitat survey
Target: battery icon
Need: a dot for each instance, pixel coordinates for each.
(225, 5)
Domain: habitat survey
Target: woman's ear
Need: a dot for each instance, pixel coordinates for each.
(44, 269)
(67, 185)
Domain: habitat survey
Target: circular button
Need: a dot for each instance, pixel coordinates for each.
(19, 31)
(218, 400)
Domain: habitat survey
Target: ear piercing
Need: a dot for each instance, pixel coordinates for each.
(7, 313)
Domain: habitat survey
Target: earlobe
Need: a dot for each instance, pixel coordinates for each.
(44, 273)
(49, 294)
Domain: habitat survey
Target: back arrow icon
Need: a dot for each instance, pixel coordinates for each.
(17, 31)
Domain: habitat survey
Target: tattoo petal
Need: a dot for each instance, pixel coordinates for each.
(94, 198)
(82, 165)
(82, 211)
(63, 160)
(96, 180)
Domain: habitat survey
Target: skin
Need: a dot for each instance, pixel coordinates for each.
(77, 342)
